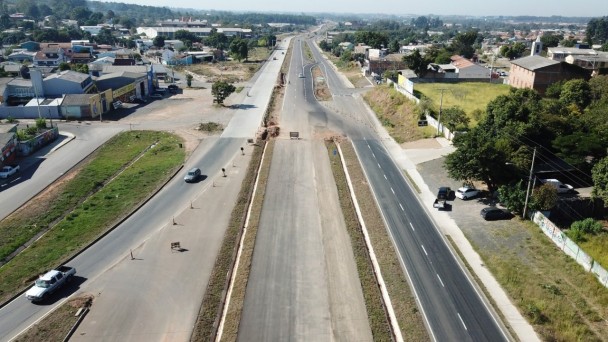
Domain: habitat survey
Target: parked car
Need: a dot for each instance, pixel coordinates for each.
(173, 87)
(8, 170)
(466, 192)
(156, 96)
(493, 213)
(193, 175)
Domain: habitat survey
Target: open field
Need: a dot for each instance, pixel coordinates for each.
(110, 191)
(232, 71)
(468, 96)
(596, 246)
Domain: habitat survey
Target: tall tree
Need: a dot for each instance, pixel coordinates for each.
(221, 90)
(417, 63)
(600, 180)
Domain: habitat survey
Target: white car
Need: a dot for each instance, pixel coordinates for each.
(466, 192)
(301, 75)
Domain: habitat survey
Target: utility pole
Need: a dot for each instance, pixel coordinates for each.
(529, 184)
(440, 107)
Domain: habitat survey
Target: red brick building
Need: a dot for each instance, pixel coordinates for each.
(538, 73)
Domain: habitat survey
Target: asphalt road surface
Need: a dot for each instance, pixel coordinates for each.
(156, 296)
(453, 308)
(303, 283)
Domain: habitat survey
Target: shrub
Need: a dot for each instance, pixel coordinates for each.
(588, 226)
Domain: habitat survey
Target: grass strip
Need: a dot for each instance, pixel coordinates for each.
(553, 292)
(233, 316)
(378, 319)
(100, 211)
(208, 318)
(404, 303)
(57, 325)
(41, 213)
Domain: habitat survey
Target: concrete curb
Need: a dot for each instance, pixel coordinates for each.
(448, 226)
(372, 255)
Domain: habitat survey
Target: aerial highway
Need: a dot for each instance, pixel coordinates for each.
(303, 283)
(156, 294)
(453, 307)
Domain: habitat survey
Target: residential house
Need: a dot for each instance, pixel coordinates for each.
(169, 32)
(20, 56)
(538, 73)
(50, 57)
(347, 46)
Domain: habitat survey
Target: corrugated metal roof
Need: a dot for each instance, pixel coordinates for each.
(534, 62)
(76, 99)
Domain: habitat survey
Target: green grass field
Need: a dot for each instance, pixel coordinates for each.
(468, 96)
(596, 246)
(123, 173)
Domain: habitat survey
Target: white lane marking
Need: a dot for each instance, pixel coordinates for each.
(384, 175)
(373, 154)
(380, 167)
(427, 254)
(411, 225)
(369, 146)
(438, 277)
(461, 321)
(401, 208)
(393, 191)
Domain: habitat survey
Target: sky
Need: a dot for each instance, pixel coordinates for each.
(567, 8)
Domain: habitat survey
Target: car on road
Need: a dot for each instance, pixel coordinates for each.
(173, 87)
(493, 213)
(301, 75)
(8, 170)
(466, 192)
(193, 175)
(49, 283)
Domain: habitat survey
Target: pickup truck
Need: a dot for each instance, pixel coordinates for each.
(49, 283)
(8, 171)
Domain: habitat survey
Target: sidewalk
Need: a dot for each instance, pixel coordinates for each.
(407, 159)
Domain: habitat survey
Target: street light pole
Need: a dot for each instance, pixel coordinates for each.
(440, 107)
(529, 184)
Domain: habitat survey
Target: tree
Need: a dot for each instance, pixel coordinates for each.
(550, 40)
(221, 90)
(159, 41)
(544, 198)
(462, 44)
(417, 63)
(576, 92)
(64, 66)
(599, 174)
(239, 49)
(513, 197)
(189, 80)
(454, 118)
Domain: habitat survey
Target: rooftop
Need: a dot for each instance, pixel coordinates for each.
(534, 62)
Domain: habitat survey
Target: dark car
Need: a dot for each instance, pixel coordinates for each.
(193, 175)
(444, 193)
(493, 213)
(172, 87)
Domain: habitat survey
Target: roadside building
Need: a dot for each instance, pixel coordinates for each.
(538, 73)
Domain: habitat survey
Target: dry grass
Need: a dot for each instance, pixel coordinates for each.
(378, 318)
(397, 114)
(57, 325)
(404, 304)
(322, 91)
(560, 299)
(232, 71)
